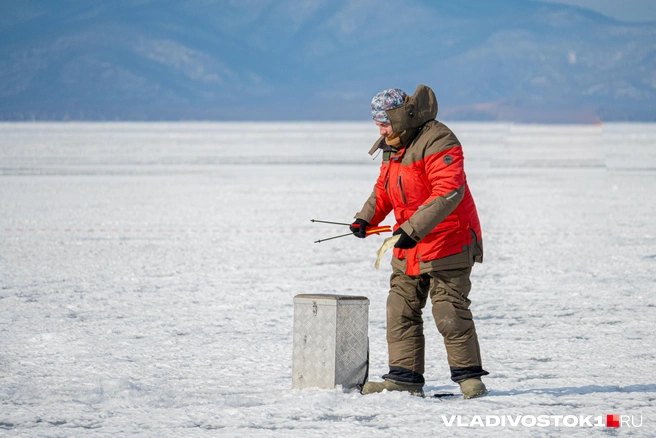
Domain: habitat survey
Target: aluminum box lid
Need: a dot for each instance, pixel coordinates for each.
(330, 300)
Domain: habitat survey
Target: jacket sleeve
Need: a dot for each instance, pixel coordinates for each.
(444, 168)
(378, 206)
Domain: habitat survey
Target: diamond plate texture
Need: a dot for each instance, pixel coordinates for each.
(330, 341)
(352, 344)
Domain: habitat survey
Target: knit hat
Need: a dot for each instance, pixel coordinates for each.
(386, 100)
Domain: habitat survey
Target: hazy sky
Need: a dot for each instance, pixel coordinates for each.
(626, 10)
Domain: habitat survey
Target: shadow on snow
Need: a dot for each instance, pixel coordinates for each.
(572, 390)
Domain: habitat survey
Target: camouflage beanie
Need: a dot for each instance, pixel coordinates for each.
(386, 100)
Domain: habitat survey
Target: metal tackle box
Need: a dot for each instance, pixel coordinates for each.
(331, 341)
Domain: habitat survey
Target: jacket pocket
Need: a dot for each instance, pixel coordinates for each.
(448, 224)
(400, 186)
(443, 240)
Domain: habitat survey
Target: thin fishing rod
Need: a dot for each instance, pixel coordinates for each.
(370, 231)
(335, 237)
(328, 222)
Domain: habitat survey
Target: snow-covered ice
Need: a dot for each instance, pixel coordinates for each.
(148, 272)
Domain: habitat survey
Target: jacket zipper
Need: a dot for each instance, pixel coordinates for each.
(400, 185)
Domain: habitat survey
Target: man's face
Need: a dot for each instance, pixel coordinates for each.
(384, 128)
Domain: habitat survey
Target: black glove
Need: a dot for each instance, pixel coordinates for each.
(359, 228)
(405, 242)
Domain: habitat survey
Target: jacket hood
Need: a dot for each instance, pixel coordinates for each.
(420, 108)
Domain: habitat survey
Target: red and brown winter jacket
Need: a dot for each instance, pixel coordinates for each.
(424, 182)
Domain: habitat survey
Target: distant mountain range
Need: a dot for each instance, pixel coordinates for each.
(320, 60)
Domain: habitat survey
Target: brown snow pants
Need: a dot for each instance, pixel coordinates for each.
(448, 291)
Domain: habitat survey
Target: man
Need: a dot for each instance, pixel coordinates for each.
(422, 179)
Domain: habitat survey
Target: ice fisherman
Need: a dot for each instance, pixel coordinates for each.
(422, 179)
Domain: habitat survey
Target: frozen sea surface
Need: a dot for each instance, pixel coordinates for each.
(148, 270)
